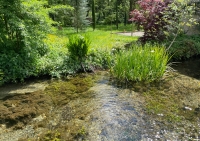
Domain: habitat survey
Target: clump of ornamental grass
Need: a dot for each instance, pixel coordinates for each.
(141, 63)
(78, 46)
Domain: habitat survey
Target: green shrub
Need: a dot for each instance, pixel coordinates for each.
(17, 65)
(146, 63)
(78, 46)
(96, 59)
(50, 63)
(99, 58)
(185, 46)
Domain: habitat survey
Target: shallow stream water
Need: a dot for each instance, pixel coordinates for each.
(105, 112)
(118, 114)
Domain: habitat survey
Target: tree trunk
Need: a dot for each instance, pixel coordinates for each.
(93, 15)
(76, 15)
(131, 3)
(117, 24)
(6, 25)
(125, 18)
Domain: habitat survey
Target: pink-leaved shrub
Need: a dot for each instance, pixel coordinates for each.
(150, 16)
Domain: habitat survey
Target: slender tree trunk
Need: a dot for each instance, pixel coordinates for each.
(125, 18)
(117, 19)
(131, 3)
(6, 25)
(76, 15)
(125, 13)
(93, 15)
(18, 39)
(99, 17)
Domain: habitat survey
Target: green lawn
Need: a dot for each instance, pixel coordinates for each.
(101, 37)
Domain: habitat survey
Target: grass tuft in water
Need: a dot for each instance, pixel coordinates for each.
(141, 63)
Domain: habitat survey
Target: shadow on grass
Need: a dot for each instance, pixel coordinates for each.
(121, 27)
(67, 31)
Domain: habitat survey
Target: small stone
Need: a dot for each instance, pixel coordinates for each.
(187, 108)
(160, 115)
(3, 126)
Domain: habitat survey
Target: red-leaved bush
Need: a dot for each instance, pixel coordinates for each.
(151, 17)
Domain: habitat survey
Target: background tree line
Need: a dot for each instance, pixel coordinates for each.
(103, 11)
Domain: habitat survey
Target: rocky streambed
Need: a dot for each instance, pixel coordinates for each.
(96, 107)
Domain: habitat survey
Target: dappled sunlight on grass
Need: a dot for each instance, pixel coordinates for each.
(57, 42)
(113, 28)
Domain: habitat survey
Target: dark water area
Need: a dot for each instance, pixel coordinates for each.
(189, 67)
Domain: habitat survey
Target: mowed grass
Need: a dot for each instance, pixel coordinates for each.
(108, 40)
(101, 38)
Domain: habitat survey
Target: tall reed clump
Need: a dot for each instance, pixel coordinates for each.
(141, 63)
(78, 46)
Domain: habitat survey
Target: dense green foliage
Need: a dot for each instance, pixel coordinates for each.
(1, 77)
(96, 59)
(179, 15)
(60, 12)
(185, 46)
(23, 27)
(78, 46)
(54, 58)
(146, 63)
(113, 11)
(100, 58)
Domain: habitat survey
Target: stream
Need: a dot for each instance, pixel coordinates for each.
(119, 116)
(104, 112)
